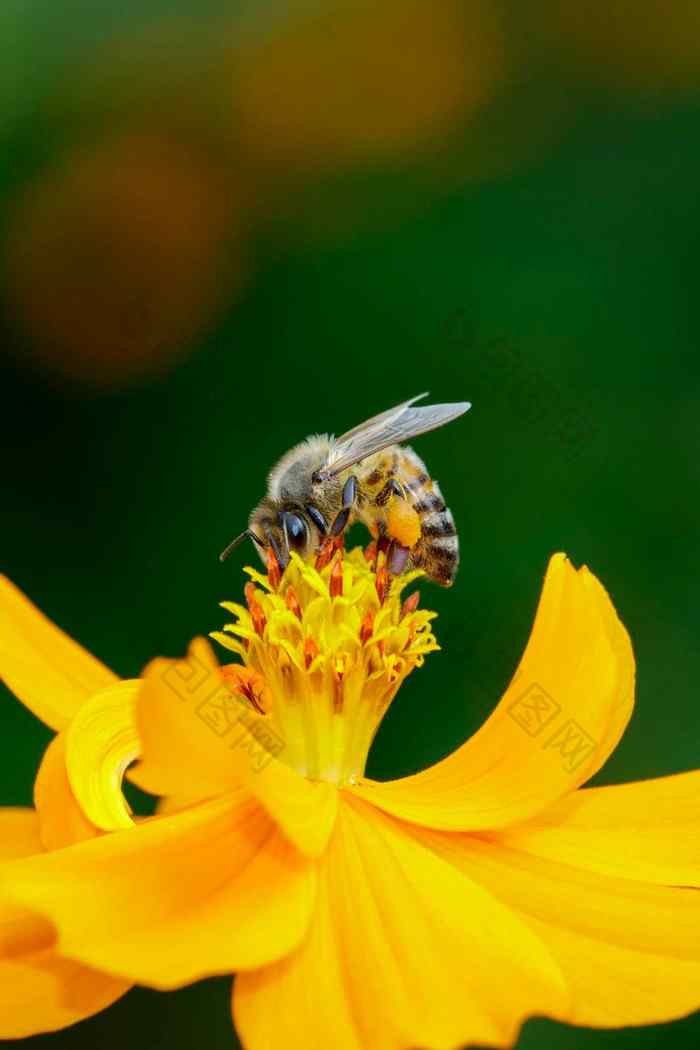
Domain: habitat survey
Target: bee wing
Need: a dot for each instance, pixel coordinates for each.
(389, 428)
(375, 421)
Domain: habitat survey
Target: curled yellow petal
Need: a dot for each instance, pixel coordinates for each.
(183, 714)
(61, 818)
(558, 721)
(101, 742)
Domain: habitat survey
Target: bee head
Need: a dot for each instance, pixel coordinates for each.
(280, 530)
(289, 532)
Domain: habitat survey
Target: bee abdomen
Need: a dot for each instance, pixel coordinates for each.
(438, 524)
(439, 546)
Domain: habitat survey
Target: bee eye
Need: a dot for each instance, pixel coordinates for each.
(296, 531)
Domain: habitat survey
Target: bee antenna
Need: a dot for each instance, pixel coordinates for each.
(247, 535)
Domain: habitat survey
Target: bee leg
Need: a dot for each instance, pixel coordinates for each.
(343, 516)
(349, 492)
(318, 519)
(397, 558)
(392, 488)
(340, 521)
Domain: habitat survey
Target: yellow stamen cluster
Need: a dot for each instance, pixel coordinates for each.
(324, 652)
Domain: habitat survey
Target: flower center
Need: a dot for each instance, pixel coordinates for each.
(324, 650)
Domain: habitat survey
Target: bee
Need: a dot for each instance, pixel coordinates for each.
(325, 484)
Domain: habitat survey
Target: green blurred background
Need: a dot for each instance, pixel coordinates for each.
(227, 226)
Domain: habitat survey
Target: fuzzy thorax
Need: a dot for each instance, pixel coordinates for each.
(324, 651)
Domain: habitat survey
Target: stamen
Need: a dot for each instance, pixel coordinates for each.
(382, 584)
(246, 682)
(293, 602)
(335, 584)
(255, 609)
(410, 605)
(311, 651)
(274, 572)
(325, 676)
(367, 626)
(324, 555)
(338, 674)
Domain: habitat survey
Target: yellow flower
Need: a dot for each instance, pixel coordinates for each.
(437, 910)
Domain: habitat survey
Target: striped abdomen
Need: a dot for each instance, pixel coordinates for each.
(437, 550)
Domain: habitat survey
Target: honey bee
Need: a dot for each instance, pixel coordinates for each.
(325, 484)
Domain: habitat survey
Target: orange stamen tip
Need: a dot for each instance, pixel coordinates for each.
(293, 602)
(367, 626)
(335, 585)
(254, 608)
(311, 651)
(245, 682)
(324, 555)
(382, 584)
(371, 552)
(274, 572)
(410, 605)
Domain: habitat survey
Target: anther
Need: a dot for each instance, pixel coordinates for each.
(382, 584)
(410, 605)
(293, 602)
(274, 573)
(255, 609)
(311, 651)
(324, 555)
(335, 585)
(367, 626)
(247, 683)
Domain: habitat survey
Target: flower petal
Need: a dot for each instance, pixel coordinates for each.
(630, 951)
(197, 738)
(648, 830)
(402, 951)
(39, 991)
(61, 819)
(19, 832)
(101, 743)
(558, 721)
(49, 672)
(209, 890)
(42, 992)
